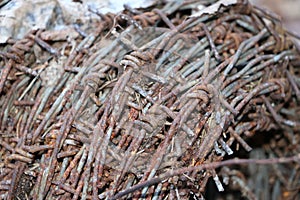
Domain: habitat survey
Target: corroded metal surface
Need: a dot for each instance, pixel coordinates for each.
(142, 94)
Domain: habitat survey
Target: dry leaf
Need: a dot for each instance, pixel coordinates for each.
(214, 7)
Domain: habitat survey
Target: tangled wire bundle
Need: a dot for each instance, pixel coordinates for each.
(148, 103)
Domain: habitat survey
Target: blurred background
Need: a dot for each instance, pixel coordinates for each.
(289, 10)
